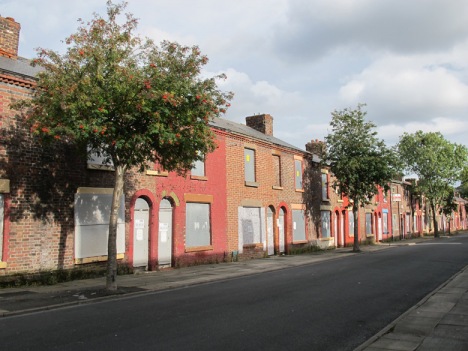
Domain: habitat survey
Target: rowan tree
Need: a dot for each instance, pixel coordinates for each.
(127, 99)
(358, 159)
(437, 163)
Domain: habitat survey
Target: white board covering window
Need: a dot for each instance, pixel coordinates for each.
(368, 223)
(251, 230)
(385, 221)
(298, 173)
(249, 163)
(99, 160)
(198, 232)
(298, 225)
(325, 216)
(198, 168)
(324, 186)
(92, 216)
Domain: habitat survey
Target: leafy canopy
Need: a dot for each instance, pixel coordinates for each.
(125, 97)
(357, 158)
(128, 100)
(437, 162)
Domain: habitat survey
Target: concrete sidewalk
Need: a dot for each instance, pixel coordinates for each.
(438, 322)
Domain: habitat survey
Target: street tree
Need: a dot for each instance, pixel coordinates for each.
(448, 206)
(359, 161)
(436, 162)
(128, 100)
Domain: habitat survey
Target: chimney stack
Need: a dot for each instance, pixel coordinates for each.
(317, 147)
(9, 37)
(263, 123)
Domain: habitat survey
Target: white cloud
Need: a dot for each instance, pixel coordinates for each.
(298, 60)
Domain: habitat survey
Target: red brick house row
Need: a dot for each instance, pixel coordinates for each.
(254, 196)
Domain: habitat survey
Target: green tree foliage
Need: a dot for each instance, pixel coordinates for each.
(358, 159)
(126, 99)
(463, 188)
(437, 163)
(448, 206)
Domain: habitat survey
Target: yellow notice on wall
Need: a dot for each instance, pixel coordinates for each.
(298, 173)
(247, 158)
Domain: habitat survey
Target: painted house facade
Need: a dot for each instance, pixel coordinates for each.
(266, 211)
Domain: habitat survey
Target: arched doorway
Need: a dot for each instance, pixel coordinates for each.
(342, 228)
(165, 233)
(270, 230)
(379, 227)
(140, 233)
(336, 228)
(281, 231)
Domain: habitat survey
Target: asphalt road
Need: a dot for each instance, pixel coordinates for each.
(333, 305)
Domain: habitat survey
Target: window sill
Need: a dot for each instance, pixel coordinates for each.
(157, 173)
(195, 177)
(370, 235)
(252, 246)
(340, 201)
(100, 167)
(299, 190)
(3, 265)
(251, 184)
(328, 238)
(199, 248)
(275, 187)
(93, 259)
(300, 242)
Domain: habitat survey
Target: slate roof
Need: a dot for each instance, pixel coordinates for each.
(19, 66)
(242, 129)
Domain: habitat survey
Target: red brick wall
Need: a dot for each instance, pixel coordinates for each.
(177, 188)
(264, 195)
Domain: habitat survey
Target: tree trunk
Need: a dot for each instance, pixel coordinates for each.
(111, 278)
(434, 220)
(356, 229)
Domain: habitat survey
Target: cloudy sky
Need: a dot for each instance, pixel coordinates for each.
(299, 60)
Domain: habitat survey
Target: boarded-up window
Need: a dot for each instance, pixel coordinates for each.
(368, 223)
(198, 168)
(298, 173)
(325, 216)
(251, 228)
(325, 186)
(249, 162)
(385, 221)
(99, 160)
(2, 218)
(298, 225)
(92, 215)
(197, 222)
(277, 169)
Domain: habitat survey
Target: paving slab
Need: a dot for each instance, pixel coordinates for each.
(419, 326)
(442, 344)
(455, 319)
(453, 332)
(396, 344)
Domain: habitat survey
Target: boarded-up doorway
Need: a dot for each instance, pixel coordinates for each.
(165, 233)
